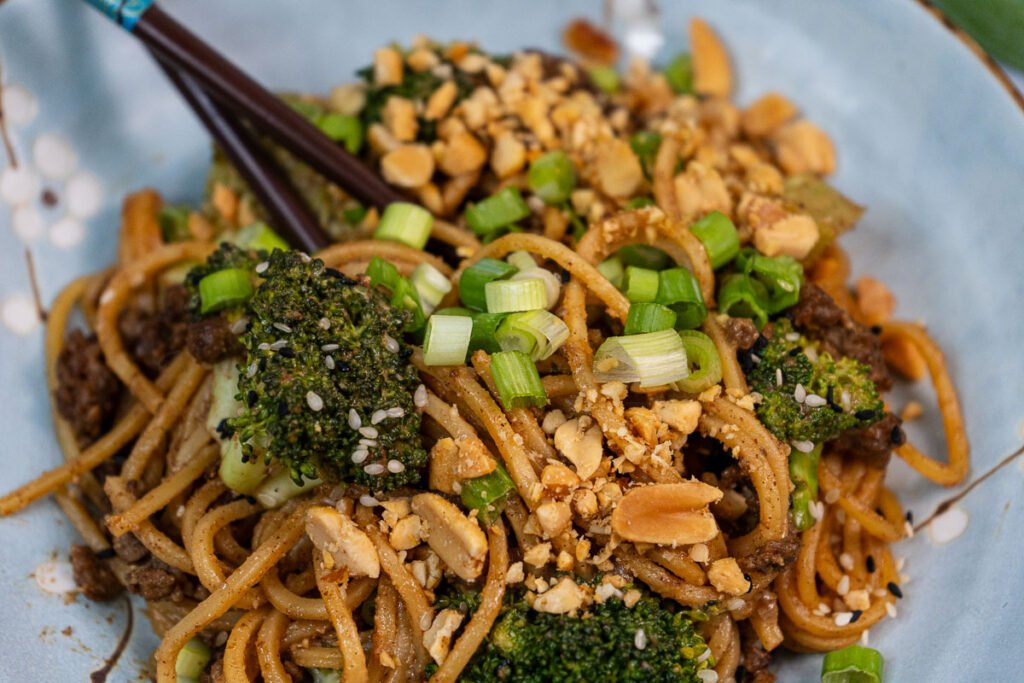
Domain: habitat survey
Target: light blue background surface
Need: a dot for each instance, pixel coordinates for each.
(926, 138)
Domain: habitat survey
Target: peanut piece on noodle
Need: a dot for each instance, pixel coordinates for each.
(667, 514)
(726, 576)
(339, 538)
(457, 539)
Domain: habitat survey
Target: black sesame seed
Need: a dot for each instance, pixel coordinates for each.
(337, 274)
(762, 341)
(566, 276)
(251, 398)
(750, 582)
(855, 615)
(870, 562)
(282, 408)
(105, 554)
(224, 430)
(746, 361)
(897, 436)
(405, 352)
(910, 516)
(865, 414)
(894, 589)
(343, 366)
(876, 329)
(287, 352)
(795, 351)
(250, 500)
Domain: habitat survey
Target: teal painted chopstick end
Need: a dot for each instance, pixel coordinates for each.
(125, 13)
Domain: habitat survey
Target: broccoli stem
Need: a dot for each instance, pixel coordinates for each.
(803, 471)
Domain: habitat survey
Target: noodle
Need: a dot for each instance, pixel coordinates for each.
(344, 626)
(268, 648)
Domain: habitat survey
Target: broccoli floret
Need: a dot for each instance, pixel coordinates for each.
(319, 346)
(226, 256)
(526, 646)
(852, 400)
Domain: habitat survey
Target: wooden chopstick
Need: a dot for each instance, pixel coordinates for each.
(236, 93)
(289, 213)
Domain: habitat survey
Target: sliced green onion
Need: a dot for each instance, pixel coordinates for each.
(517, 380)
(640, 285)
(325, 675)
(281, 488)
(487, 494)
(649, 317)
(741, 296)
(645, 146)
(781, 276)
(239, 472)
(522, 260)
(538, 333)
(644, 256)
(173, 222)
(485, 332)
(224, 289)
(455, 310)
(475, 278)
(406, 223)
(552, 283)
(679, 73)
(447, 339)
(510, 296)
(431, 286)
(403, 295)
(347, 130)
(853, 664)
(612, 269)
(703, 360)
(354, 215)
(260, 237)
(652, 359)
(606, 78)
(192, 660)
(552, 177)
(678, 289)
(639, 203)
(719, 237)
(803, 471)
(502, 208)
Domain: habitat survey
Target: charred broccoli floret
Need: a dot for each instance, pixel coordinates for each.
(652, 641)
(807, 395)
(327, 385)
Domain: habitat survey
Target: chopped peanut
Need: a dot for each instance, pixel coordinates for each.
(802, 147)
(408, 165)
(681, 416)
(508, 156)
(457, 539)
(381, 140)
(348, 99)
(584, 502)
(903, 357)
(554, 518)
(767, 114)
(667, 514)
(538, 555)
(225, 202)
(875, 301)
(619, 173)
(726, 576)
(338, 536)
(440, 101)
(422, 59)
(444, 461)
(438, 638)
(557, 477)
(581, 442)
(792, 236)
(387, 67)
(562, 598)
(712, 74)
(474, 459)
(407, 533)
(399, 115)
(462, 154)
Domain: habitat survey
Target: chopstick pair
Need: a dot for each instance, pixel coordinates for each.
(222, 95)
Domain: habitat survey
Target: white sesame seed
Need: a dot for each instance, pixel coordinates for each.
(419, 398)
(778, 377)
(843, 587)
(329, 362)
(368, 501)
(305, 257)
(800, 393)
(793, 336)
(368, 432)
(844, 400)
(325, 324)
(378, 417)
(374, 469)
(278, 345)
(803, 446)
(396, 412)
(832, 497)
(359, 456)
(811, 354)
(734, 604)
(890, 609)
(395, 466)
(264, 346)
(251, 370)
(354, 421)
(865, 638)
(814, 401)
(704, 656)
(640, 639)
(823, 608)
(284, 328)
(846, 561)
(843, 618)
(329, 347)
(755, 358)
(238, 327)
(262, 267)
(708, 676)
(391, 344)
(369, 443)
(817, 509)
(314, 401)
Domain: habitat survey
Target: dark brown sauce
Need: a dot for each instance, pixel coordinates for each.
(950, 502)
(100, 675)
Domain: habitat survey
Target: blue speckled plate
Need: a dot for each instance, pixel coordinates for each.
(927, 139)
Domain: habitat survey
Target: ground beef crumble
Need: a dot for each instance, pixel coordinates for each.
(153, 339)
(93, 576)
(87, 390)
